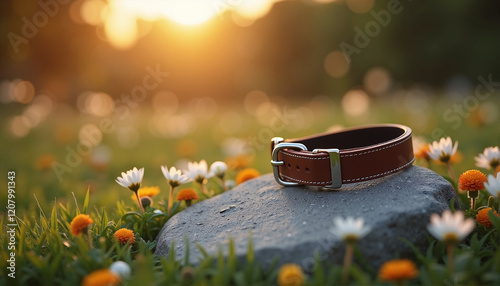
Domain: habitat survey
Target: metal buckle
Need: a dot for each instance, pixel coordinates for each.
(277, 143)
(334, 167)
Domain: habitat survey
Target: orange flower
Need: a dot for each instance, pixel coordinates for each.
(187, 194)
(246, 174)
(397, 270)
(472, 180)
(238, 162)
(101, 277)
(80, 224)
(146, 192)
(483, 218)
(422, 152)
(290, 275)
(124, 235)
(44, 162)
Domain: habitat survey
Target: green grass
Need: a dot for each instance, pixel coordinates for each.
(47, 253)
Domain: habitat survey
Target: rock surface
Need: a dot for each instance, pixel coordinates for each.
(291, 223)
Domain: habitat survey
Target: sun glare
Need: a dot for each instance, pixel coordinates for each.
(189, 13)
(120, 16)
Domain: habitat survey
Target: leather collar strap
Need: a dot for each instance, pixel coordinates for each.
(348, 156)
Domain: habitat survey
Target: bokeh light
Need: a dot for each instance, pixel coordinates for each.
(204, 107)
(360, 6)
(356, 103)
(101, 156)
(165, 102)
(94, 12)
(266, 112)
(252, 9)
(234, 146)
(253, 100)
(23, 91)
(18, 126)
(377, 81)
(488, 112)
(336, 64)
(99, 104)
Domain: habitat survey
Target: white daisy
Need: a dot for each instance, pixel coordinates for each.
(174, 176)
(493, 185)
(132, 179)
(218, 168)
(198, 172)
(489, 159)
(349, 229)
(451, 227)
(442, 150)
(120, 269)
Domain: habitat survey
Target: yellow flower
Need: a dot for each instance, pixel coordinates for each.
(397, 270)
(483, 218)
(472, 180)
(101, 277)
(187, 194)
(246, 174)
(146, 192)
(290, 275)
(124, 235)
(80, 223)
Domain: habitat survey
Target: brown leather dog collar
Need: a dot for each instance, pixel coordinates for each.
(347, 156)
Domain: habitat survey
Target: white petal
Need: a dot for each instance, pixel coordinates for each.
(121, 182)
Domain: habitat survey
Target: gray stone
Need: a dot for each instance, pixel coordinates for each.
(292, 223)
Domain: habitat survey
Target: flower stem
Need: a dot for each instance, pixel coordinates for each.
(170, 199)
(89, 241)
(204, 189)
(401, 283)
(223, 184)
(139, 201)
(349, 250)
(473, 195)
(473, 203)
(450, 247)
(450, 171)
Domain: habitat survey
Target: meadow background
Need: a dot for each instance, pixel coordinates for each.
(233, 74)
